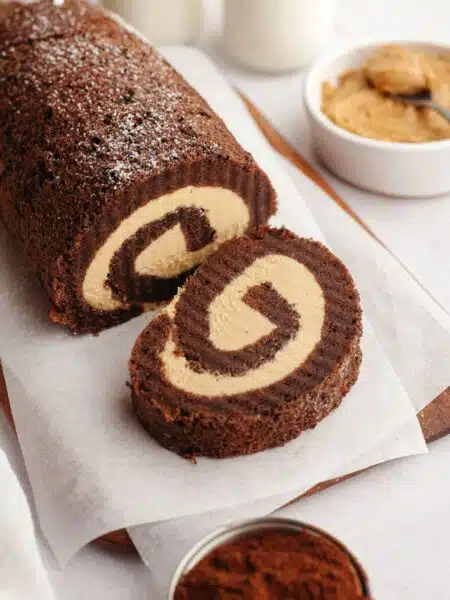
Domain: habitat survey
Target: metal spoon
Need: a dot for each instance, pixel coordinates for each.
(423, 99)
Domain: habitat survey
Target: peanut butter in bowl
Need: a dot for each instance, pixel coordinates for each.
(360, 102)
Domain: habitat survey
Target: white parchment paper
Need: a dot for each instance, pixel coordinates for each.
(163, 545)
(415, 229)
(92, 468)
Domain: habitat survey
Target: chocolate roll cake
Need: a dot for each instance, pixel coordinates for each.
(116, 177)
(261, 343)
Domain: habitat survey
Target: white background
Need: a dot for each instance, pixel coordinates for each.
(395, 518)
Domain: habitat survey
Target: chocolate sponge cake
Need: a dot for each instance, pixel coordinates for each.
(261, 343)
(116, 177)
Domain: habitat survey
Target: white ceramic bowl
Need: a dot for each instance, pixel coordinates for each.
(396, 169)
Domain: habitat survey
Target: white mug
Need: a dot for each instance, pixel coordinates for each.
(161, 21)
(277, 35)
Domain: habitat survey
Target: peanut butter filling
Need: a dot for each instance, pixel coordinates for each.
(397, 70)
(234, 324)
(167, 256)
(359, 102)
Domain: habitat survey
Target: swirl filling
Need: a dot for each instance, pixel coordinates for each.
(264, 345)
(160, 241)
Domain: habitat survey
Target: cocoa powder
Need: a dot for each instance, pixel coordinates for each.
(275, 565)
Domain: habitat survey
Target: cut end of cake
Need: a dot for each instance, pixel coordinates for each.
(115, 193)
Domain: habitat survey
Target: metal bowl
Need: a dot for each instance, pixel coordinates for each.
(236, 531)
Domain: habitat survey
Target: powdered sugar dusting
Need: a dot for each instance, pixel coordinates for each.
(128, 111)
(125, 25)
(40, 19)
(92, 118)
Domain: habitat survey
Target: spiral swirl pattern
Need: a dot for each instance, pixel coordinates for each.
(261, 343)
(160, 241)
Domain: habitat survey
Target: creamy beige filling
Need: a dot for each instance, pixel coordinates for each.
(233, 324)
(167, 256)
(396, 70)
(359, 104)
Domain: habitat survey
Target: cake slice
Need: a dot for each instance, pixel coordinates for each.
(261, 343)
(116, 177)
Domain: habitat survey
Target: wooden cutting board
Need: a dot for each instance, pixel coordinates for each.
(434, 419)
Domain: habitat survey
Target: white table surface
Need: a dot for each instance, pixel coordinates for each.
(396, 517)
